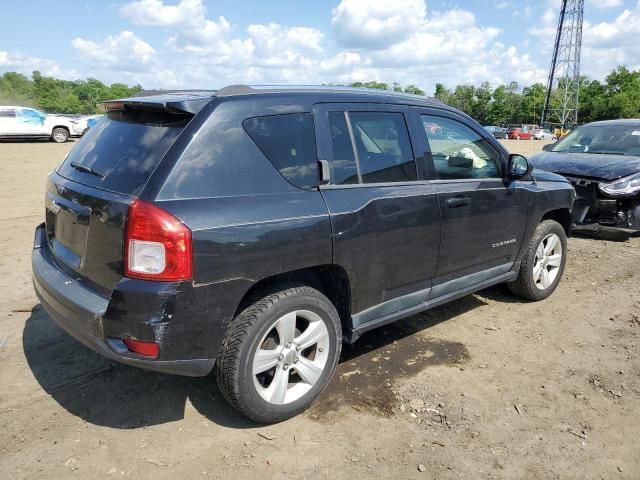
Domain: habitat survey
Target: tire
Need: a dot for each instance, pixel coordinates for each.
(532, 282)
(60, 135)
(263, 326)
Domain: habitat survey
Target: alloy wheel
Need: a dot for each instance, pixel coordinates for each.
(59, 136)
(547, 262)
(291, 357)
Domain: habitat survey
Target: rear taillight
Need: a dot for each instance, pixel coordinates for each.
(157, 246)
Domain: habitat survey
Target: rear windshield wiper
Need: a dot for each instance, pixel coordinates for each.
(82, 168)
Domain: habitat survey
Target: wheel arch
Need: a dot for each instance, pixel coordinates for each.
(560, 215)
(331, 280)
(61, 126)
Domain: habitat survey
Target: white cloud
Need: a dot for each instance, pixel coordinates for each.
(122, 51)
(609, 44)
(372, 40)
(446, 47)
(605, 45)
(604, 4)
(205, 36)
(274, 37)
(26, 65)
(374, 24)
(156, 13)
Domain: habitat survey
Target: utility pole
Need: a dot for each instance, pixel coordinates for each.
(563, 87)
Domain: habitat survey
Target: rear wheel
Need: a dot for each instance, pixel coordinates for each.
(280, 354)
(60, 135)
(543, 262)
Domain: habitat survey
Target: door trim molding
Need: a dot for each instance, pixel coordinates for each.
(416, 302)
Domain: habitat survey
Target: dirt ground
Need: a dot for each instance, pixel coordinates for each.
(485, 387)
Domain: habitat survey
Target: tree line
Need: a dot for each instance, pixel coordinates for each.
(618, 96)
(59, 96)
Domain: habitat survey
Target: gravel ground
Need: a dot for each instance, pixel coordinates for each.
(485, 387)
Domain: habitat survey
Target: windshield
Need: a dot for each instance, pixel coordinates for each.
(607, 139)
(120, 152)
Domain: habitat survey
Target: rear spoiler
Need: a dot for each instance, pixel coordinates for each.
(181, 103)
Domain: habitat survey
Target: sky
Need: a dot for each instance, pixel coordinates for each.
(213, 43)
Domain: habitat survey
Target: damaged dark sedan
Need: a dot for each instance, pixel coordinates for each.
(602, 161)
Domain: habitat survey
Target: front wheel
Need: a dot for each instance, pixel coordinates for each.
(60, 135)
(280, 354)
(543, 262)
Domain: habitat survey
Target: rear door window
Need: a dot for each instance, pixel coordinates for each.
(121, 152)
(345, 170)
(383, 147)
(370, 147)
(289, 142)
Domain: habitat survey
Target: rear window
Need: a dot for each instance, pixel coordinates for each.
(120, 152)
(289, 142)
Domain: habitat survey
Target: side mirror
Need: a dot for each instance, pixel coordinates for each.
(547, 147)
(519, 166)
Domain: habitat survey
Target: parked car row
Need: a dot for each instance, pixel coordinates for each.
(497, 132)
(520, 133)
(29, 123)
(542, 134)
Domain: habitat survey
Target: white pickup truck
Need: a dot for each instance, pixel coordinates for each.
(24, 122)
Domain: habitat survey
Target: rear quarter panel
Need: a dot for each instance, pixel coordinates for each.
(248, 223)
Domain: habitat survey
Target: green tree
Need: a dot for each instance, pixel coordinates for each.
(59, 96)
(497, 114)
(412, 89)
(617, 97)
(16, 88)
(463, 98)
(482, 101)
(622, 93)
(374, 84)
(442, 93)
(532, 103)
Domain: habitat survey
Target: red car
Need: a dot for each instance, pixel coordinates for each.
(520, 134)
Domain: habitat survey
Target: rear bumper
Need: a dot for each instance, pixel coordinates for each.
(84, 314)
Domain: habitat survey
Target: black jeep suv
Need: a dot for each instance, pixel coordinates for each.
(250, 231)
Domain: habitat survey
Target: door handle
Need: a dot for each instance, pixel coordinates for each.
(458, 202)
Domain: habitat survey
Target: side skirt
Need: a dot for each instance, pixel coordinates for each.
(353, 334)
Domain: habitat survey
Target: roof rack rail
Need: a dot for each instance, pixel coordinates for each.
(234, 90)
(241, 89)
(155, 92)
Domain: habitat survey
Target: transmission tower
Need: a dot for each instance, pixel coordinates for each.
(561, 100)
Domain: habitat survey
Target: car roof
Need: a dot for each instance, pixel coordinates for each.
(631, 122)
(192, 101)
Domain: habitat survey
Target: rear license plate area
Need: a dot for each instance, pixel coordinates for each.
(67, 231)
